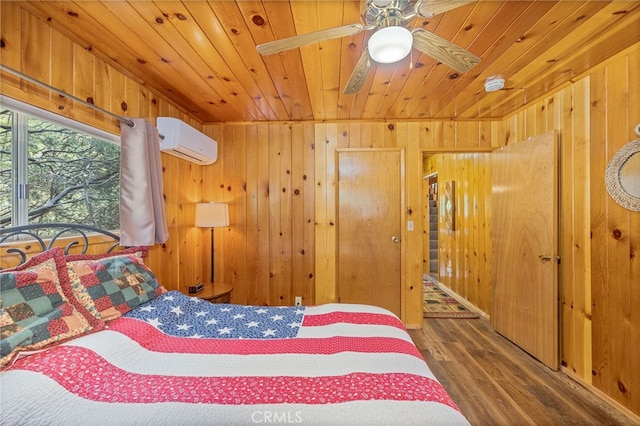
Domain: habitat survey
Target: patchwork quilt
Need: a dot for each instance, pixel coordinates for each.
(181, 360)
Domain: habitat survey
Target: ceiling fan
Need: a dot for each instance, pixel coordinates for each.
(392, 40)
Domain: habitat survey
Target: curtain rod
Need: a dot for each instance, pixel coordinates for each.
(65, 94)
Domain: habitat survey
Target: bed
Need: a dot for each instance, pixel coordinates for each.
(94, 338)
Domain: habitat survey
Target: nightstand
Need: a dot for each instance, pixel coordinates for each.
(216, 292)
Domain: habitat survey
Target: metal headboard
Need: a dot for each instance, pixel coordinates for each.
(60, 230)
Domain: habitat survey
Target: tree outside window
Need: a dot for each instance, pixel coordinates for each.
(69, 176)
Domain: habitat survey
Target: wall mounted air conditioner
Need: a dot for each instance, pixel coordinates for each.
(182, 140)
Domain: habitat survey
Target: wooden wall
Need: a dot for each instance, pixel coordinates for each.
(465, 253)
(266, 174)
(614, 99)
(599, 240)
(279, 179)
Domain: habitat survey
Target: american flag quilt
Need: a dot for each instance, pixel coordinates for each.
(179, 360)
(178, 315)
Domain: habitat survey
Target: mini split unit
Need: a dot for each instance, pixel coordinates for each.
(183, 141)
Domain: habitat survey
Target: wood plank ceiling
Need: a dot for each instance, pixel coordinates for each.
(202, 55)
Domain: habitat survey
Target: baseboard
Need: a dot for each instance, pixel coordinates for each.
(464, 302)
(604, 397)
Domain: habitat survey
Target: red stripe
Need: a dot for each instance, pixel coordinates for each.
(351, 318)
(155, 340)
(104, 382)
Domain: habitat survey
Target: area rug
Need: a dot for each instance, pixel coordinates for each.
(438, 304)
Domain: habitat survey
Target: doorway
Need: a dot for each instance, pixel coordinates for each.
(464, 249)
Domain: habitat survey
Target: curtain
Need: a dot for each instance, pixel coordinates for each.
(142, 217)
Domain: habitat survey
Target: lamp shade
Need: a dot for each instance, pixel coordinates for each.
(211, 215)
(390, 44)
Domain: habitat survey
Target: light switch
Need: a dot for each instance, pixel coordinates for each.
(409, 225)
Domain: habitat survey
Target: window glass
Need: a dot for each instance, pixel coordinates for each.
(72, 177)
(5, 167)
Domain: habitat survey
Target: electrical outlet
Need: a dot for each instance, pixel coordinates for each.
(298, 301)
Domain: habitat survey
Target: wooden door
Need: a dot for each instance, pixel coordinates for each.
(525, 242)
(369, 228)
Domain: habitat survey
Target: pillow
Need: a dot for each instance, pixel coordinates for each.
(112, 284)
(37, 306)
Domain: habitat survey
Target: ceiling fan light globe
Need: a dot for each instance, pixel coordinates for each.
(390, 44)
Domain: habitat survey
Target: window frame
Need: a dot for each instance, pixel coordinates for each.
(19, 144)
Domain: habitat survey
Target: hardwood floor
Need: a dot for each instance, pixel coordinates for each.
(494, 382)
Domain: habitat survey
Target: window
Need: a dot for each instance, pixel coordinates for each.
(55, 170)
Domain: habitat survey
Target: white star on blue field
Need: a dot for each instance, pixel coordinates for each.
(179, 315)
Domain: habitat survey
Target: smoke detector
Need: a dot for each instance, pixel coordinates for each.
(493, 84)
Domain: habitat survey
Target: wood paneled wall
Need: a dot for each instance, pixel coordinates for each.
(266, 174)
(599, 240)
(614, 98)
(279, 179)
(465, 253)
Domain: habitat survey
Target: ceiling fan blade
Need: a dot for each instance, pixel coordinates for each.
(444, 51)
(359, 74)
(304, 39)
(429, 8)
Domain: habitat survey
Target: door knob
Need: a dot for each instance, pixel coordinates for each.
(395, 239)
